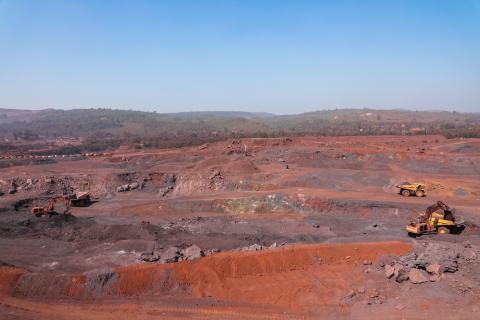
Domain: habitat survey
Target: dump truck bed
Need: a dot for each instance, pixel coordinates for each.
(82, 195)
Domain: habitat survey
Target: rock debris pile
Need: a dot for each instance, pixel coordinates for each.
(175, 254)
(128, 187)
(430, 261)
(257, 247)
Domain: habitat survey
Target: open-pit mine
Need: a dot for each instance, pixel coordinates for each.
(250, 228)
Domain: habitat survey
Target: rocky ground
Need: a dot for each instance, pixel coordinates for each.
(274, 228)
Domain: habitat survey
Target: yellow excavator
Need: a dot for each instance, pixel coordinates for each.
(438, 218)
(412, 189)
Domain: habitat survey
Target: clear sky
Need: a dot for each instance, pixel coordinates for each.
(276, 56)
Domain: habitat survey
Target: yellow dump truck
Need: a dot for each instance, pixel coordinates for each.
(412, 189)
(80, 199)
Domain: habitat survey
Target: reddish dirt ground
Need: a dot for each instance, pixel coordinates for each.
(336, 208)
(323, 274)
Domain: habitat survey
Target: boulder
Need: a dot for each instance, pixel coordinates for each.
(435, 268)
(446, 256)
(133, 185)
(122, 188)
(389, 271)
(409, 260)
(193, 252)
(418, 276)
(402, 275)
(149, 257)
(397, 269)
(449, 265)
(172, 254)
(254, 247)
(443, 254)
(212, 251)
(435, 277)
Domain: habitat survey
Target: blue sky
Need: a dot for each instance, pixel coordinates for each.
(266, 55)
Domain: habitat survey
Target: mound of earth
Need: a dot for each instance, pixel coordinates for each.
(323, 275)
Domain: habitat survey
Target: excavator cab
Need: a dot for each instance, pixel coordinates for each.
(38, 211)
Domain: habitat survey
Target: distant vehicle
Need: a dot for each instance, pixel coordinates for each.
(438, 218)
(80, 199)
(56, 205)
(412, 189)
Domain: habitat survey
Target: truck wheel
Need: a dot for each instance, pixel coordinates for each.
(419, 193)
(443, 230)
(405, 192)
(412, 235)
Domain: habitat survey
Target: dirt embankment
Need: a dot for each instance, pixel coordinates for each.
(322, 274)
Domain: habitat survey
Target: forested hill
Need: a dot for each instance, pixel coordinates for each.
(178, 129)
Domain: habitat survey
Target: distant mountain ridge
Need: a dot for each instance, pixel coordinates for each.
(152, 129)
(222, 114)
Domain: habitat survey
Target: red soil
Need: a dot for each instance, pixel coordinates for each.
(316, 272)
(345, 185)
(8, 278)
(303, 279)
